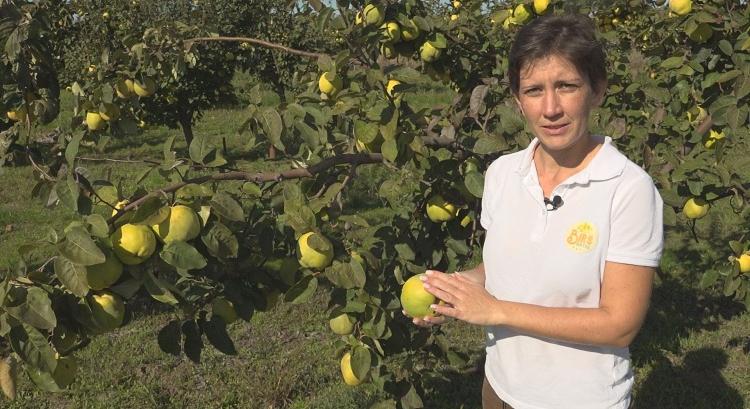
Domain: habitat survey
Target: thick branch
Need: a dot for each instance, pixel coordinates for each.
(354, 159)
(261, 43)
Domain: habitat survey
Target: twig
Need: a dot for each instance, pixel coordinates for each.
(256, 41)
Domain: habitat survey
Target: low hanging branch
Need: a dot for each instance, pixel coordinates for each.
(258, 42)
(354, 159)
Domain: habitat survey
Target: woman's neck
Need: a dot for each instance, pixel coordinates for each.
(553, 167)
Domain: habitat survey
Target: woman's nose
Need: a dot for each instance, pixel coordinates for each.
(552, 107)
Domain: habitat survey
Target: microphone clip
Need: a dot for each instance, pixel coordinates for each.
(553, 204)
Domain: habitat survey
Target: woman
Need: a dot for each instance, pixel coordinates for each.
(574, 233)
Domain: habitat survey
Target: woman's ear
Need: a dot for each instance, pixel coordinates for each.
(600, 93)
(518, 104)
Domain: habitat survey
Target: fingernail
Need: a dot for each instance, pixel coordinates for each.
(432, 307)
(425, 285)
(428, 272)
(423, 278)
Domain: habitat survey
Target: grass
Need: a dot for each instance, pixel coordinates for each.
(693, 351)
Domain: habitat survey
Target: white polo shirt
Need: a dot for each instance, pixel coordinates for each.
(610, 211)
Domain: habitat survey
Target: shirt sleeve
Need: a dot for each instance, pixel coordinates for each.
(636, 234)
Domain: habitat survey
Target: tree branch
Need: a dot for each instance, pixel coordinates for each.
(262, 43)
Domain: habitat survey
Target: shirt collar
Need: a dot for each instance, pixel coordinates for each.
(607, 164)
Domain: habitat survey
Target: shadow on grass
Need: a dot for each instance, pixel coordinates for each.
(697, 384)
(457, 390)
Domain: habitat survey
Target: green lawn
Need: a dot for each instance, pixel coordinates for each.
(692, 353)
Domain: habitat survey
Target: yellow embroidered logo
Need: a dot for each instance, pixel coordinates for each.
(581, 237)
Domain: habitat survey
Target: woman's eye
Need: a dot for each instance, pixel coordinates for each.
(568, 87)
(533, 91)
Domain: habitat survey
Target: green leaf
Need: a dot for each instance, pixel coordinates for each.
(158, 289)
(490, 143)
(216, 332)
(199, 148)
(32, 306)
(726, 47)
(72, 276)
(474, 182)
(709, 278)
(80, 248)
(411, 400)
(308, 134)
(361, 361)
(32, 347)
(169, 338)
(365, 132)
(146, 209)
(358, 275)
(389, 150)
(220, 241)
(67, 192)
(672, 62)
(272, 125)
(227, 207)
(98, 225)
(182, 256)
(72, 149)
(302, 291)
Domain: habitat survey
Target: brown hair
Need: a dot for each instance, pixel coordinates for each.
(570, 36)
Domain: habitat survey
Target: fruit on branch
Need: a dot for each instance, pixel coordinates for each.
(103, 275)
(540, 6)
(454, 17)
(713, 137)
(521, 14)
(18, 115)
(391, 31)
(415, 300)
(313, 258)
(110, 112)
(94, 121)
(695, 208)
(389, 89)
(224, 308)
(108, 310)
(181, 224)
(144, 88)
(133, 243)
(329, 83)
(744, 262)
(428, 52)
(457, 4)
(125, 88)
(342, 324)
(387, 50)
(440, 210)
(680, 7)
(346, 370)
(373, 14)
(409, 32)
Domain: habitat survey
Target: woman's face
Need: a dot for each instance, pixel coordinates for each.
(556, 101)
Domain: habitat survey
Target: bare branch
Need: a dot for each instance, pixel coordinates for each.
(262, 43)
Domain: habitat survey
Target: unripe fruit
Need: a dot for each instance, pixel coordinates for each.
(387, 50)
(110, 113)
(695, 208)
(409, 32)
(310, 257)
(108, 310)
(329, 83)
(94, 121)
(103, 275)
(680, 7)
(744, 262)
(144, 88)
(440, 210)
(133, 244)
(428, 52)
(182, 224)
(346, 370)
(341, 324)
(415, 300)
(125, 88)
(225, 309)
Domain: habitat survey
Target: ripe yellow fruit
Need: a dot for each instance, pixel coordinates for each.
(540, 6)
(744, 262)
(133, 244)
(144, 88)
(373, 14)
(346, 371)
(182, 224)
(521, 14)
(409, 32)
(310, 257)
(18, 115)
(108, 310)
(387, 50)
(341, 324)
(125, 217)
(457, 4)
(440, 210)
(389, 89)
(124, 88)
(103, 275)
(713, 137)
(415, 300)
(428, 52)
(454, 17)
(329, 83)
(695, 208)
(110, 112)
(391, 31)
(225, 309)
(681, 7)
(94, 121)
(358, 18)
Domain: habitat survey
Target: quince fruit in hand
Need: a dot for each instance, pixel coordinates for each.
(415, 300)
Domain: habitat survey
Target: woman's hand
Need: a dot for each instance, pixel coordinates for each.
(463, 298)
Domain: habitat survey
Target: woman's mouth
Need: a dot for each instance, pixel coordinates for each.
(554, 130)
